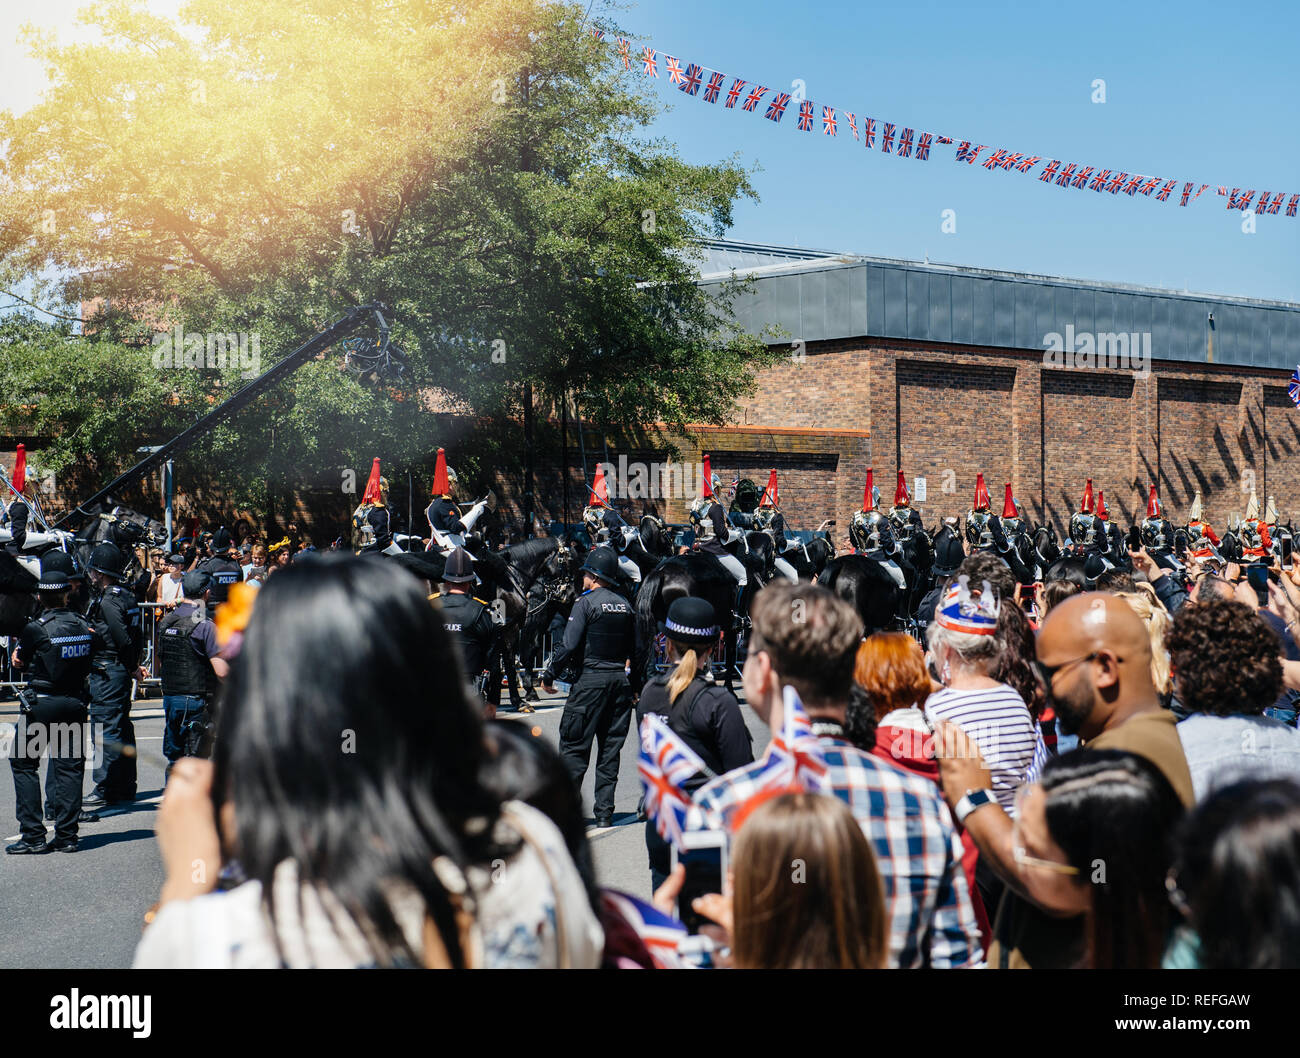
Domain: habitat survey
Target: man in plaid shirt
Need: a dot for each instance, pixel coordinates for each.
(805, 637)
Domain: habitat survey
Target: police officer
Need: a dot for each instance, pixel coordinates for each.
(600, 631)
(115, 615)
(223, 567)
(189, 668)
(55, 650)
(473, 624)
(704, 714)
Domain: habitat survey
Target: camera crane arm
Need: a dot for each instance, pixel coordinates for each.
(338, 330)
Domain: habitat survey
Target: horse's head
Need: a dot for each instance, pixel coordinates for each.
(653, 531)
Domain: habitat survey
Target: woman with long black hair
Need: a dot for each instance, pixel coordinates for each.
(346, 779)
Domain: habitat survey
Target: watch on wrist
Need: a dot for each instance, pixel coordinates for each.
(971, 800)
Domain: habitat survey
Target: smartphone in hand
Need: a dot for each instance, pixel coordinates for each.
(705, 858)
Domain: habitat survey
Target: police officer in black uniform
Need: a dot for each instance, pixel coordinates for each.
(600, 631)
(704, 714)
(189, 669)
(223, 567)
(473, 623)
(55, 650)
(115, 615)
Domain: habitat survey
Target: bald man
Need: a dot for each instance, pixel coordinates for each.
(1094, 660)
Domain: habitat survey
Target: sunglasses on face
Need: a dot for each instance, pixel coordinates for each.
(1047, 673)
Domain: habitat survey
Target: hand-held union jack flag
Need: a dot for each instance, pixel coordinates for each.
(795, 756)
(666, 763)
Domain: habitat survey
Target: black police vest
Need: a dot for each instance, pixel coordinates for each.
(224, 573)
(463, 618)
(63, 662)
(183, 670)
(610, 626)
(126, 607)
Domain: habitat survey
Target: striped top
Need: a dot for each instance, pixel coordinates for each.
(998, 721)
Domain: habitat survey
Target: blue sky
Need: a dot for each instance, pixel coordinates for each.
(1194, 91)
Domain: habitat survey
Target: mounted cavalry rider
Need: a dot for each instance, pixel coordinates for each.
(1256, 541)
(979, 531)
(605, 526)
(1010, 538)
(445, 520)
(712, 530)
(1276, 532)
(871, 534)
(769, 519)
(372, 528)
(15, 512)
(1202, 542)
(905, 518)
(1087, 531)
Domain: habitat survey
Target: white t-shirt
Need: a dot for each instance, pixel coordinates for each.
(169, 588)
(530, 910)
(998, 721)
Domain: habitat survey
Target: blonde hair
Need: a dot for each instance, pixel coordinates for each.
(688, 665)
(1147, 605)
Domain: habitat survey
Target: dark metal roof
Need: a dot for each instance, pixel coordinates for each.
(818, 295)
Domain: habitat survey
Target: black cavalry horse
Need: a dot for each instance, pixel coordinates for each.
(868, 587)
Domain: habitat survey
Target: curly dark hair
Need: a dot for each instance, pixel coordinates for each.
(1016, 637)
(1225, 659)
(984, 565)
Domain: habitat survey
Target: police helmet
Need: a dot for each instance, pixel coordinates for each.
(107, 558)
(603, 563)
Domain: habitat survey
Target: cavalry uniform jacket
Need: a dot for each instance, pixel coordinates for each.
(444, 516)
(714, 530)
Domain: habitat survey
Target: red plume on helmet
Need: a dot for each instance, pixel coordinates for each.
(1101, 505)
(1086, 506)
(20, 469)
(708, 478)
(981, 494)
(440, 486)
(1009, 505)
(599, 489)
(868, 501)
(901, 498)
(372, 493)
(769, 493)
(1153, 504)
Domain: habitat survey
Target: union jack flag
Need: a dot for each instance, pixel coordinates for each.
(1067, 174)
(853, 122)
(751, 100)
(923, 147)
(1293, 390)
(651, 67)
(1149, 185)
(691, 82)
(887, 137)
(1028, 163)
(598, 34)
(733, 93)
(1276, 204)
(1187, 190)
(666, 763)
(712, 89)
(805, 115)
(776, 108)
(1134, 182)
(943, 139)
(1012, 160)
(1242, 203)
(829, 125)
(796, 756)
(1049, 173)
(1082, 179)
(660, 933)
(1099, 181)
(966, 153)
(1291, 205)
(1116, 183)
(1164, 191)
(1222, 190)
(868, 132)
(905, 143)
(995, 159)
(625, 52)
(674, 69)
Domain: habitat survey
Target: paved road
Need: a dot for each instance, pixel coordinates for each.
(86, 910)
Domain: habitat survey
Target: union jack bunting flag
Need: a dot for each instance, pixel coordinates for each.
(733, 93)
(805, 115)
(1049, 173)
(666, 763)
(1276, 204)
(1187, 190)
(1293, 390)
(755, 94)
(797, 757)
(1067, 174)
(1291, 205)
(1134, 182)
(691, 82)
(1222, 190)
(598, 34)
(1149, 185)
(712, 89)
(1012, 160)
(1099, 181)
(853, 122)
(966, 153)
(1081, 179)
(625, 52)
(1242, 203)
(994, 160)
(905, 143)
(776, 108)
(674, 69)
(943, 139)
(868, 132)
(923, 147)
(1163, 196)
(887, 137)
(1116, 183)
(1028, 163)
(829, 126)
(651, 66)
